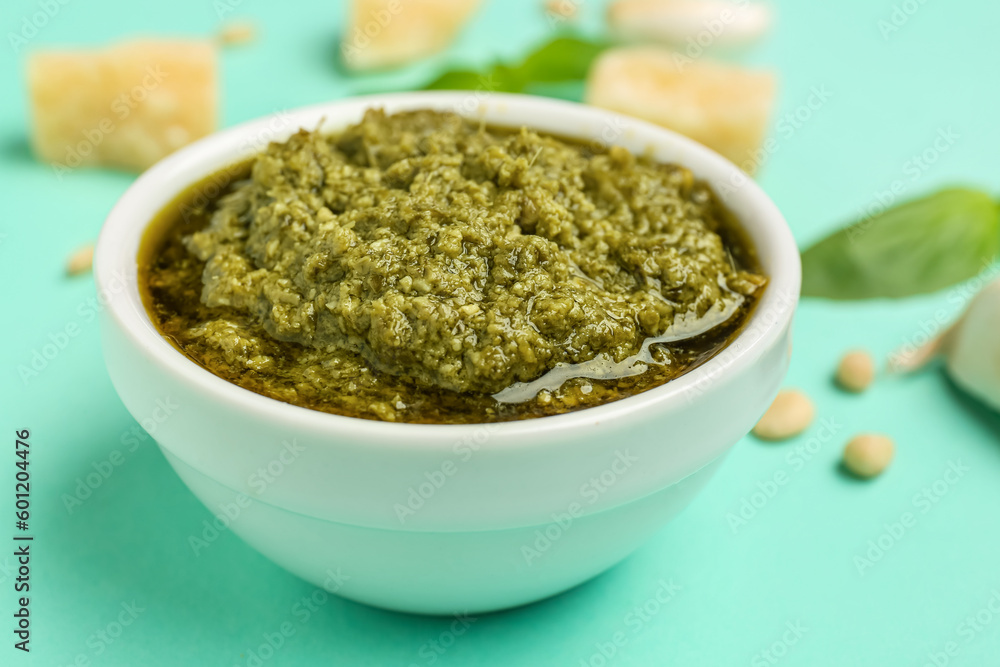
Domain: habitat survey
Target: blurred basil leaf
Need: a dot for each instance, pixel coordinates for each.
(564, 59)
(458, 79)
(917, 247)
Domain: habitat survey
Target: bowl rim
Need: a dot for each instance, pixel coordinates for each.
(117, 248)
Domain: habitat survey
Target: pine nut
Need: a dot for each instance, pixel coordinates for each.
(790, 414)
(81, 260)
(868, 454)
(856, 371)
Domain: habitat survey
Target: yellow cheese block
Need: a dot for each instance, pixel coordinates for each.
(126, 106)
(724, 107)
(388, 33)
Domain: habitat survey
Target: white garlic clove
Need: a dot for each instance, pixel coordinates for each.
(972, 354)
(970, 347)
(700, 24)
(909, 359)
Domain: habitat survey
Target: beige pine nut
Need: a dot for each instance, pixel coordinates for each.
(868, 454)
(237, 32)
(563, 9)
(81, 260)
(856, 371)
(790, 414)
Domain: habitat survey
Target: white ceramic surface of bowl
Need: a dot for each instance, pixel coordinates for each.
(442, 518)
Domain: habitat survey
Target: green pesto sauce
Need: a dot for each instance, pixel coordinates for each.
(419, 267)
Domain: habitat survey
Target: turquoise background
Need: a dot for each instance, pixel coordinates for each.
(793, 562)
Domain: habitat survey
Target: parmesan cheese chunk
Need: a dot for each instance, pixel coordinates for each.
(128, 105)
(388, 33)
(724, 107)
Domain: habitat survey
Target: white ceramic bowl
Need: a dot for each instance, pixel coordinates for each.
(442, 518)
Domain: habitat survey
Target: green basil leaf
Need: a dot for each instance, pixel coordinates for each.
(457, 80)
(497, 79)
(920, 246)
(504, 79)
(563, 59)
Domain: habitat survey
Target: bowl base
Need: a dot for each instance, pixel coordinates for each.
(443, 573)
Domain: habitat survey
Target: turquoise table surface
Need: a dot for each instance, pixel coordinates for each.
(818, 570)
